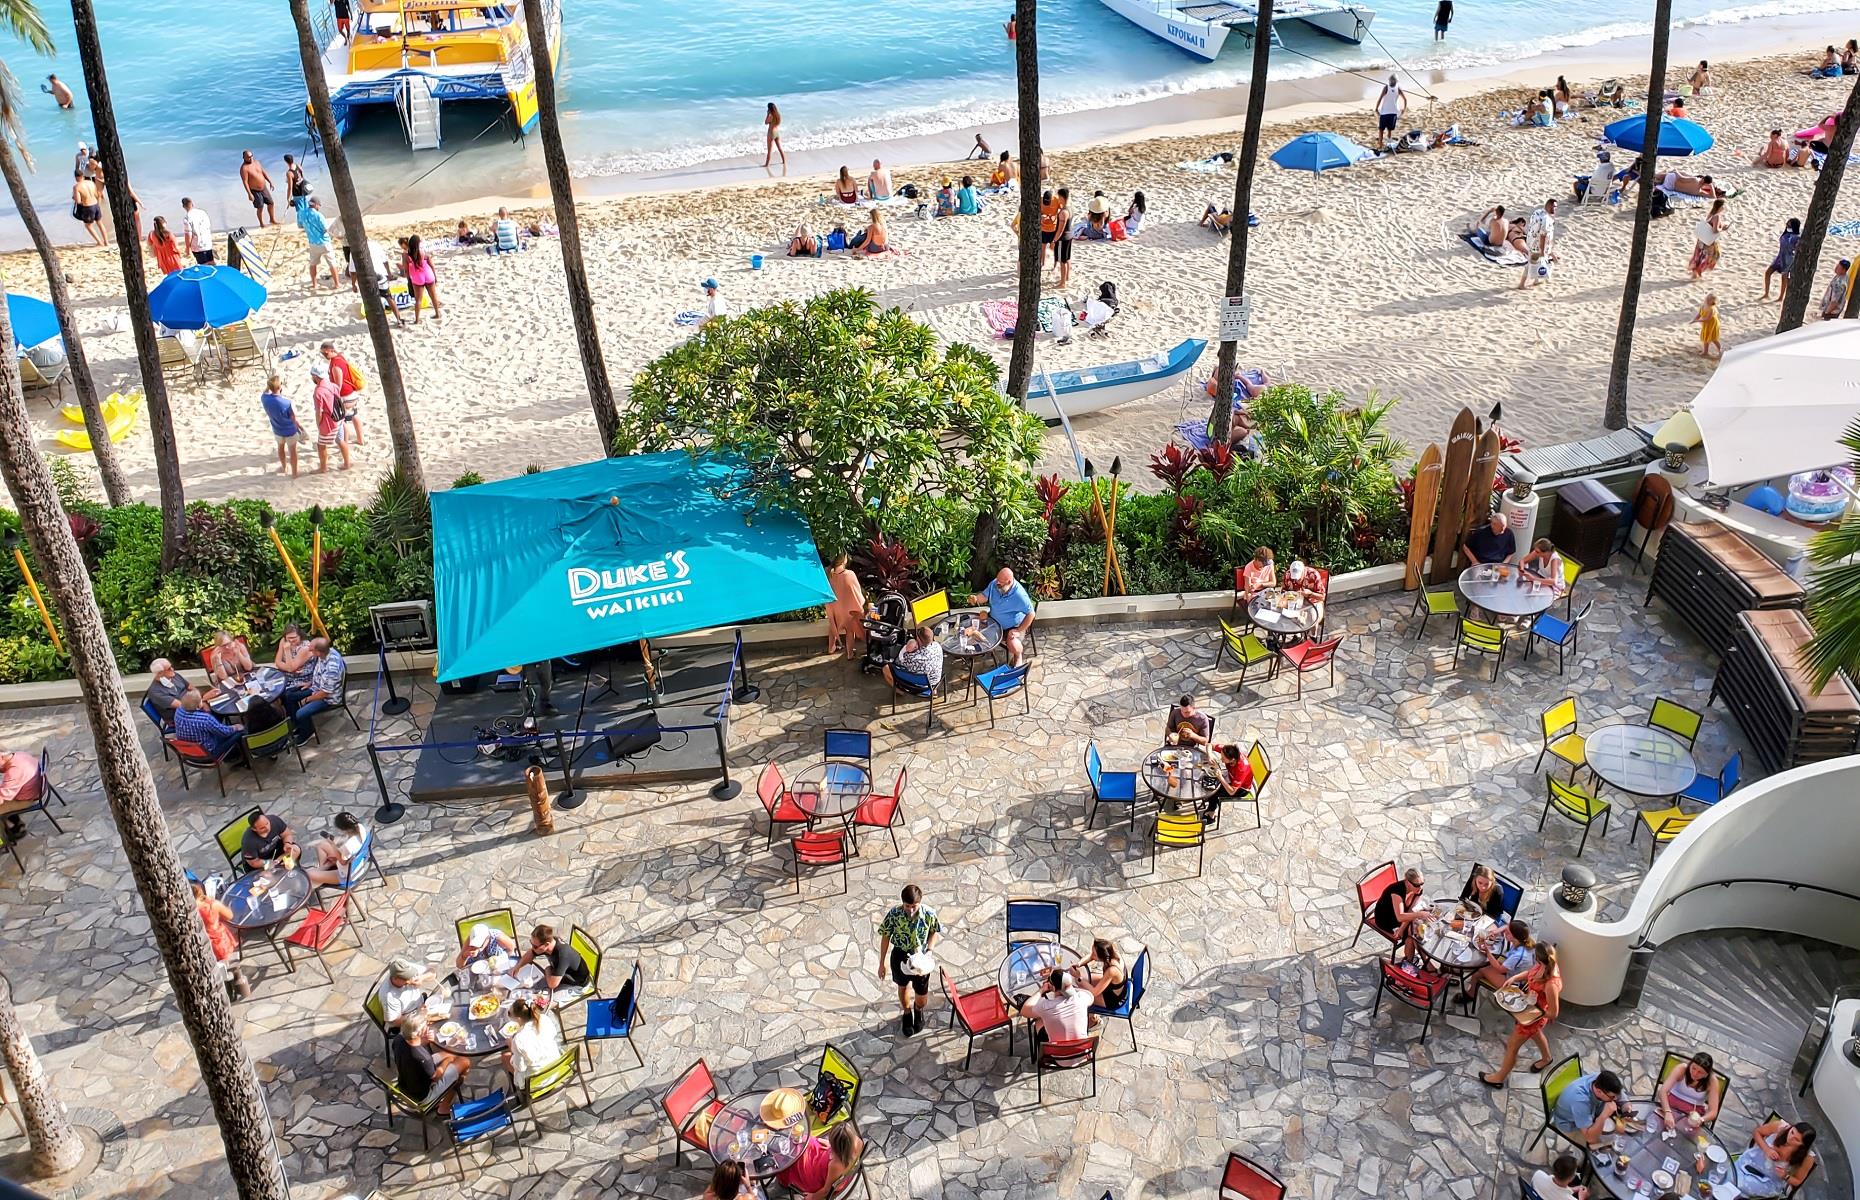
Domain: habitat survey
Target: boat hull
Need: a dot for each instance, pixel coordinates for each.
(1094, 389)
(1200, 38)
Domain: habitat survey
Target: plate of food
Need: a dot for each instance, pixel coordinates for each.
(1512, 1000)
(451, 1031)
(509, 1028)
(1168, 757)
(760, 1135)
(483, 1006)
(1663, 1180)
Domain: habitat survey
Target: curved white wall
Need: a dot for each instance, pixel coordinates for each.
(1801, 826)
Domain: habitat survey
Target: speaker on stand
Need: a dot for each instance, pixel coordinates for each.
(404, 625)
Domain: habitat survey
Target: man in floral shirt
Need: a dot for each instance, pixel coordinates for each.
(908, 929)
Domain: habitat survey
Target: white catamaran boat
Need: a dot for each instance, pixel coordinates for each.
(1201, 26)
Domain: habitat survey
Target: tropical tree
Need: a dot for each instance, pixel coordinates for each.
(562, 193)
(355, 232)
(1242, 214)
(23, 19)
(55, 1145)
(1820, 212)
(135, 286)
(1834, 600)
(1615, 410)
(1027, 102)
(842, 411)
(123, 771)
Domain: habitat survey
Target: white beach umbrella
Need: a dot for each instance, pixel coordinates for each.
(1779, 405)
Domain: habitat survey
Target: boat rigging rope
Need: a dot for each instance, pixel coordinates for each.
(1340, 69)
(1397, 63)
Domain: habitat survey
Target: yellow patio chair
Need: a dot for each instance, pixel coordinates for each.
(1481, 638)
(833, 1061)
(926, 609)
(1561, 738)
(1575, 804)
(1429, 603)
(1676, 719)
(1665, 824)
(1180, 829)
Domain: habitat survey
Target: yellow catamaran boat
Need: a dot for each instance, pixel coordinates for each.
(421, 54)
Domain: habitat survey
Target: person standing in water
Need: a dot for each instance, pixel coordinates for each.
(773, 145)
(87, 207)
(55, 88)
(1443, 17)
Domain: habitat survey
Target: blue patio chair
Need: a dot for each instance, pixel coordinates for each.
(163, 730)
(1133, 995)
(1005, 681)
(1109, 787)
(616, 1018)
(1555, 631)
(356, 871)
(910, 683)
(1032, 916)
(849, 744)
(480, 1120)
(1709, 789)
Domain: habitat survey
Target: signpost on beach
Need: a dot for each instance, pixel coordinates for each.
(1234, 313)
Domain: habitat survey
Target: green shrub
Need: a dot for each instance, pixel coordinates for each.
(26, 659)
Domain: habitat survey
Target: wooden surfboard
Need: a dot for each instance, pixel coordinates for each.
(1453, 477)
(1421, 524)
(1479, 484)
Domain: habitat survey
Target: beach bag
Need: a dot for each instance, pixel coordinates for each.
(1661, 206)
(827, 1096)
(908, 191)
(836, 240)
(1117, 232)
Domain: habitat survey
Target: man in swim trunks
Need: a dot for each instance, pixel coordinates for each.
(257, 183)
(87, 207)
(56, 89)
(1691, 185)
(1389, 106)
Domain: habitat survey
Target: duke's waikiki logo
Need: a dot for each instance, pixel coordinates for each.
(612, 591)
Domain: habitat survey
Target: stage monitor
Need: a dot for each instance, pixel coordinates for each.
(403, 625)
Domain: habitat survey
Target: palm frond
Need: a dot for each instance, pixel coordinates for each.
(22, 19)
(12, 127)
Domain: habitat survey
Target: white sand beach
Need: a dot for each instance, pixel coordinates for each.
(1359, 279)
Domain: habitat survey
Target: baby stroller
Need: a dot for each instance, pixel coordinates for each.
(885, 619)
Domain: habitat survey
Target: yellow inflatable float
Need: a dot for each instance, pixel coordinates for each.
(119, 417)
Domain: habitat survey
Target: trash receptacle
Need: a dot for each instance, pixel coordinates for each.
(1587, 522)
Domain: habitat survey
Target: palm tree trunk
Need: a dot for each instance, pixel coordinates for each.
(1615, 412)
(1820, 212)
(355, 233)
(1242, 215)
(123, 770)
(115, 488)
(1027, 96)
(562, 193)
(56, 1146)
(135, 287)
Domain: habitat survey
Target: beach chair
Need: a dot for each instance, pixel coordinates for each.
(33, 379)
(246, 345)
(180, 358)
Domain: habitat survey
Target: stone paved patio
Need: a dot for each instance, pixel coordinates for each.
(1255, 1035)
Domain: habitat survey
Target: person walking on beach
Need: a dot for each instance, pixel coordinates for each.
(348, 382)
(772, 144)
(1390, 105)
(317, 244)
(285, 428)
(197, 231)
(1785, 258)
(1539, 244)
(1709, 330)
(1443, 17)
(420, 278)
(87, 207)
(1706, 237)
(296, 187)
(56, 89)
(162, 246)
(328, 403)
(257, 184)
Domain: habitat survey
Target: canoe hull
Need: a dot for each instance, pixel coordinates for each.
(1095, 389)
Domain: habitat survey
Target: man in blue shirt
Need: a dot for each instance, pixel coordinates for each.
(284, 427)
(1585, 1104)
(316, 234)
(1492, 542)
(194, 723)
(327, 674)
(1012, 609)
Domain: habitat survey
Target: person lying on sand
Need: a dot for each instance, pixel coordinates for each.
(1219, 220)
(803, 244)
(1692, 185)
(1498, 231)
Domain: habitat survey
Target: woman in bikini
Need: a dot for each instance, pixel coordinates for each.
(773, 144)
(877, 241)
(846, 188)
(1545, 984)
(1003, 174)
(421, 280)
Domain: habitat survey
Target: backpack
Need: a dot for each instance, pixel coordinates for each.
(827, 1097)
(356, 379)
(1660, 206)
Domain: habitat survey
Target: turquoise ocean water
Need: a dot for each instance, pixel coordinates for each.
(652, 86)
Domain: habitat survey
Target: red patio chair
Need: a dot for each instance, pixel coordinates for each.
(1368, 891)
(692, 1097)
(1067, 1055)
(1310, 656)
(1245, 1179)
(1413, 986)
(884, 812)
(980, 1011)
(820, 850)
(319, 929)
(777, 801)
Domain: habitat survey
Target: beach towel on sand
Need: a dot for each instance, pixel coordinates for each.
(1499, 256)
(1000, 316)
(688, 317)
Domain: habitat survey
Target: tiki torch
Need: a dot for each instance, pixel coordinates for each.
(266, 519)
(32, 585)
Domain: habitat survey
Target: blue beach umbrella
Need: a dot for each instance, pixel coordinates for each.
(33, 320)
(1315, 152)
(198, 297)
(1678, 136)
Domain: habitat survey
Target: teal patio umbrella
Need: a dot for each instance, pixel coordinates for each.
(608, 552)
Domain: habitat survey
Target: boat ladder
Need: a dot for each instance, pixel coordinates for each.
(419, 111)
